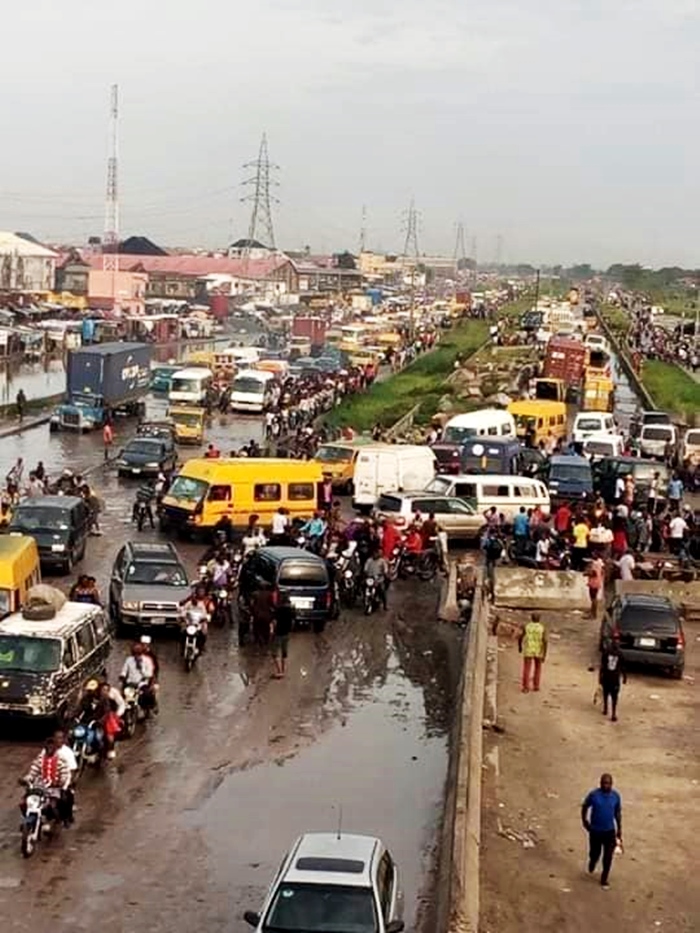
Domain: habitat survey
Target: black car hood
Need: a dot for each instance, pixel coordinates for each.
(17, 685)
(45, 539)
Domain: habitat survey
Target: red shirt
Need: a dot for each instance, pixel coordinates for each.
(414, 542)
(562, 519)
(390, 539)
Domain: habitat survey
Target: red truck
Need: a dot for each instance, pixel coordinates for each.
(312, 328)
(565, 360)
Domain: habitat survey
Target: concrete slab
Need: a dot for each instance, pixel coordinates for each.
(522, 588)
(682, 594)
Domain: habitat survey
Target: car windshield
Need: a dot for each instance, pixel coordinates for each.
(186, 385)
(188, 420)
(456, 435)
(692, 438)
(248, 384)
(589, 424)
(656, 434)
(388, 504)
(439, 485)
(483, 464)
(642, 619)
(643, 471)
(604, 448)
(33, 655)
(156, 574)
(658, 417)
(578, 472)
(321, 908)
(149, 447)
(334, 455)
(41, 519)
(185, 487)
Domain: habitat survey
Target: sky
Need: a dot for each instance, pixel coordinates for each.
(555, 131)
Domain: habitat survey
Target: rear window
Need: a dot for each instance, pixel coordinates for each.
(693, 438)
(641, 619)
(303, 573)
(660, 433)
(656, 417)
(389, 504)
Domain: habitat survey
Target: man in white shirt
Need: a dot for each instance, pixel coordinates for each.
(677, 528)
(280, 525)
(619, 489)
(66, 754)
(627, 563)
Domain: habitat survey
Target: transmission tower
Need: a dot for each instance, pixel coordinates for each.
(110, 243)
(460, 245)
(261, 197)
(410, 247)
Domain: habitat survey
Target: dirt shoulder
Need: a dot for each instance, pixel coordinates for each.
(553, 749)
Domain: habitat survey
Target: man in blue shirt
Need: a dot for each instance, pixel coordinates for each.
(601, 815)
(521, 530)
(675, 493)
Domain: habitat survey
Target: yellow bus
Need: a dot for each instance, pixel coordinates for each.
(337, 460)
(19, 571)
(536, 420)
(206, 491)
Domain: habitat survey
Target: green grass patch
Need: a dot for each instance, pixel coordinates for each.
(617, 320)
(672, 389)
(422, 382)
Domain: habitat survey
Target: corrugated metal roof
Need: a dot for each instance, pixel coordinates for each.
(11, 243)
(196, 266)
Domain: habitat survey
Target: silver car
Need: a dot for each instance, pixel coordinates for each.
(456, 517)
(148, 585)
(333, 881)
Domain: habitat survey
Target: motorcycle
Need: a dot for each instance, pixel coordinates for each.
(194, 621)
(41, 817)
(371, 596)
(221, 612)
(87, 743)
(134, 712)
(236, 564)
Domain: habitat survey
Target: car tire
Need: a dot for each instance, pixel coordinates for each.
(319, 626)
(677, 673)
(69, 563)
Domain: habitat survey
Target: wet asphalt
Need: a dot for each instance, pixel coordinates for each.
(187, 828)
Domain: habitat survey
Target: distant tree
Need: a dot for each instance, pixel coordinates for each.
(580, 272)
(345, 260)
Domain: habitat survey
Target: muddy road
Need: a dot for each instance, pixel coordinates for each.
(187, 828)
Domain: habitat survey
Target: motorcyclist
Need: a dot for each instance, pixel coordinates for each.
(315, 530)
(219, 570)
(147, 643)
(200, 603)
(377, 568)
(50, 772)
(144, 503)
(253, 536)
(84, 590)
(138, 672)
(413, 542)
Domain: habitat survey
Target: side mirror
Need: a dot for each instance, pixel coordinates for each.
(396, 926)
(253, 919)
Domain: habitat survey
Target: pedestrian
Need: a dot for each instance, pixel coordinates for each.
(21, 403)
(601, 815)
(493, 549)
(532, 644)
(280, 630)
(675, 493)
(107, 438)
(579, 551)
(280, 527)
(596, 579)
(14, 477)
(612, 671)
(677, 528)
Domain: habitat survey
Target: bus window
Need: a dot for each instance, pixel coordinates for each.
(267, 492)
(301, 491)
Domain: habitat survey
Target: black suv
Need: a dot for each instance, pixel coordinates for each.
(148, 585)
(147, 456)
(299, 574)
(648, 630)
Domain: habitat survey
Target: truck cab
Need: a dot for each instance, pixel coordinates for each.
(550, 390)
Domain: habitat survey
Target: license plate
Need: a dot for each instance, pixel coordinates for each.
(158, 620)
(647, 643)
(299, 603)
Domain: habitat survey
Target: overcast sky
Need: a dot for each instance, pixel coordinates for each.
(569, 127)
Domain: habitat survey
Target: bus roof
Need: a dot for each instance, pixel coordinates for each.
(193, 372)
(264, 469)
(262, 375)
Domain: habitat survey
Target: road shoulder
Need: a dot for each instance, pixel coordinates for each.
(551, 752)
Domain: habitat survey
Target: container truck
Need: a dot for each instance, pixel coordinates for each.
(102, 380)
(565, 360)
(311, 328)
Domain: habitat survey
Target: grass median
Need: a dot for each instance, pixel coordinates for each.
(422, 382)
(672, 389)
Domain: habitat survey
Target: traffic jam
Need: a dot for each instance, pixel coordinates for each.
(201, 576)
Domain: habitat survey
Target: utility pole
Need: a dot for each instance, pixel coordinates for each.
(537, 288)
(475, 276)
(261, 183)
(110, 240)
(410, 248)
(363, 229)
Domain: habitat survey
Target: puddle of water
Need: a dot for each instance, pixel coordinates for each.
(382, 768)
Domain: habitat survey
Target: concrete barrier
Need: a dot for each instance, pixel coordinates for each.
(522, 588)
(682, 594)
(623, 359)
(448, 609)
(464, 852)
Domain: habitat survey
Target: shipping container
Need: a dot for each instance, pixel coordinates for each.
(565, 359)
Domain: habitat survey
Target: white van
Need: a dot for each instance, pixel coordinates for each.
(482, 491)
(593, 422)
(253, 390)
(655, 438)
(691, 447)
(190, 386)
(597, 446)
(486, 422)
(391, 468)
(596, 342)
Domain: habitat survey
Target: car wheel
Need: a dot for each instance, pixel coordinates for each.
(319, 625)
(69, 563)
(677, 673)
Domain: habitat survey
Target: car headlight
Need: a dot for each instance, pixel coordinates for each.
(58, 547)
(152, 466)
(130, 606)
(38, 703)
(121, 462)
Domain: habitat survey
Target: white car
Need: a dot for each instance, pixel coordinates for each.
(333, 881)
